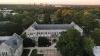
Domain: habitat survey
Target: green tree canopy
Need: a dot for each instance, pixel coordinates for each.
(64, 15)
(27, 42)
(8, 28)
(71, 44)
(96, 36)
(43, 42)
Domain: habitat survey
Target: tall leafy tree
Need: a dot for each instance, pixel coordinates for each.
(64, 15)
(43, 42)
(47, 19)
(96, 36)
(72, 44)
(8, 28)
(1, 17)
(27, 42)
(86, 20)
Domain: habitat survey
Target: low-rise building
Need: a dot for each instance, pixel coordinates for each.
(52, 31)
(11, 45)
(6, 12)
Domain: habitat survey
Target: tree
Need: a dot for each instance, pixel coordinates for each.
(23, 35)
(47, 19)
(27, 21)
(27, 42)
(88, 45)
(89, 23)
(43, 42)
(8, 17)
(34, 53)
(71, 44)
(25, 52)
(18, 18)
(96, 36)
(8, 28)
(86, 20)
(1, 17)
(64, 16)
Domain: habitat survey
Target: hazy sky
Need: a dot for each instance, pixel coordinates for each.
(77, 2)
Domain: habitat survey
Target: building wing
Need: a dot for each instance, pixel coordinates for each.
(51, 26)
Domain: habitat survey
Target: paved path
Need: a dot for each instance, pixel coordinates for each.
(30, 48)
(39, 48)
(30, 52)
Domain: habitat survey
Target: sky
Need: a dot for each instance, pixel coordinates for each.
(71, 2)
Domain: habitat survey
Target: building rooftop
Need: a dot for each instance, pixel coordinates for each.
(14, 41)
(51, 26)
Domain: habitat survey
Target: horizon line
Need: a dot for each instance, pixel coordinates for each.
(47, 4)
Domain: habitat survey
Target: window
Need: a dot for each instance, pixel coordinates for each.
(57, 33)
(31, 33)
(45, 32)
(38, 32)
(48, 32)
(4, 54)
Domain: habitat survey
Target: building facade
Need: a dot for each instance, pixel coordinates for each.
(52, 31)
(11, 45)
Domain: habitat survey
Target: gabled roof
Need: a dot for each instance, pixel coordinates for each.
(51, 26)
(13, 41)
